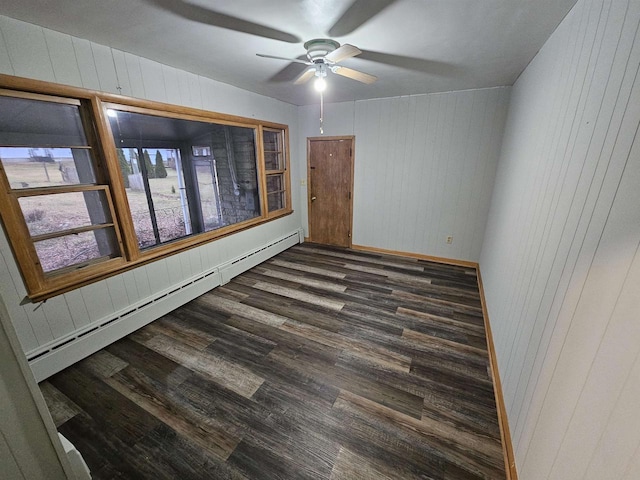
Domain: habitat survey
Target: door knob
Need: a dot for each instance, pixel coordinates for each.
(313, 198)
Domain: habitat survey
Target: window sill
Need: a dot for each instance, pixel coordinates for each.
(68, 281)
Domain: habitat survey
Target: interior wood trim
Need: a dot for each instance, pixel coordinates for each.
(106, 153)
(420, 256)
(36, 96)
(261, 168)
(503, 422)
(72, 231)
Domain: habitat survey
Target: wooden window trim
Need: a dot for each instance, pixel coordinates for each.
(284, 171)
(94, 105)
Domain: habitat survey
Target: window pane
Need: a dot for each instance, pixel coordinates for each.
(272, 161)
(275, 183)
(194, 176)
(209, 194)
(64, 211)
(56, 253)
(25, 122)
(275, 201)
(272, 141)
(164, 195)
(273, 150)
(47, 167)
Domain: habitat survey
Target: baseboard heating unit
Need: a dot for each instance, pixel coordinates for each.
(65, 351)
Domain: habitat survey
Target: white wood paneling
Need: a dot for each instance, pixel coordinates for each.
(560, 255)
(97, 300)
(134, 72)
(5, 62)
(171, 84)
(153, 80)
(122, 72)
(35, 52)
(29, 444)
(77, 308)
(27, 49)
(106, 68)
(424, 167)
(57, 315)
(158, 275)
(86, 63)
(63, 58)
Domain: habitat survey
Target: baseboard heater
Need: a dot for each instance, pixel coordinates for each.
(65, 351)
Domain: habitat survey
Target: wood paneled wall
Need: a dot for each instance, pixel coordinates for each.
(424, 167)
(30, 51)
(560, 259)
(29, 447)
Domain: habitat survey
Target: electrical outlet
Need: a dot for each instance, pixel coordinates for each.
(450, 239)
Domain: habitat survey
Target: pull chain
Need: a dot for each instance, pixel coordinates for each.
(321, 113)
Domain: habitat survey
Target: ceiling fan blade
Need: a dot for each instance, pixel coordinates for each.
(294, 60)
(289, 73)
(342, 53)
(354, 74)
(360, 12)
(307, 75)
(204, 15)
(423, 65)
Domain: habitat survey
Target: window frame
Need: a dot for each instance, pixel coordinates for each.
(93, 107)
(284, 170)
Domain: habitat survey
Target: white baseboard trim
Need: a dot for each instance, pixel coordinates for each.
(65, 351)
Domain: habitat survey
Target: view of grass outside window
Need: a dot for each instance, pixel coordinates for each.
(170, 210)
(184, 177)
(50, 169)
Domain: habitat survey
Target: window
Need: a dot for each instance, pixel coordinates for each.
(95, 188)
(276, 169)
(49, 170)
(210, 179)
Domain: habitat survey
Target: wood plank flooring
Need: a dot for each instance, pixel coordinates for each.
(320, 363)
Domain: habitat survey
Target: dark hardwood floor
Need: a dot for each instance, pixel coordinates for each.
(321, 363)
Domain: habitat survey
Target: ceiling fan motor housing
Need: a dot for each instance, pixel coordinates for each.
(318, 48)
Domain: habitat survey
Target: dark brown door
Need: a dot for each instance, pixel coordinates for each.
(330, 163)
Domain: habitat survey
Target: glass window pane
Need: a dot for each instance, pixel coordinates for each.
(64, 211)
(272, 141)
(209, 194)
(275, 201)
(60, 252)
(171, 211)
(273, 150)
(47, 167)
(164, 195)
(37, 123)
(272, 161)
(275, 183)
(207, 177)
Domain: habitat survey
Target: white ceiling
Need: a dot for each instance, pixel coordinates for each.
(412, 46)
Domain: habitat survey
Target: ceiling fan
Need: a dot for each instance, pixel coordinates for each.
(323, 55)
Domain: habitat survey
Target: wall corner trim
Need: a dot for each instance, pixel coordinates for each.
(503, 422)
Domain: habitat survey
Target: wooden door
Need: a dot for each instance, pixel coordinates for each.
(330, 186)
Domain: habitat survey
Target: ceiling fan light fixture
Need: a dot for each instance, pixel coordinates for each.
(320, 84)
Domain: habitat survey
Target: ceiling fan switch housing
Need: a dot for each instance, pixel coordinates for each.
(318, 48)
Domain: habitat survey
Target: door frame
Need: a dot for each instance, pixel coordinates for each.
(352, 138)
